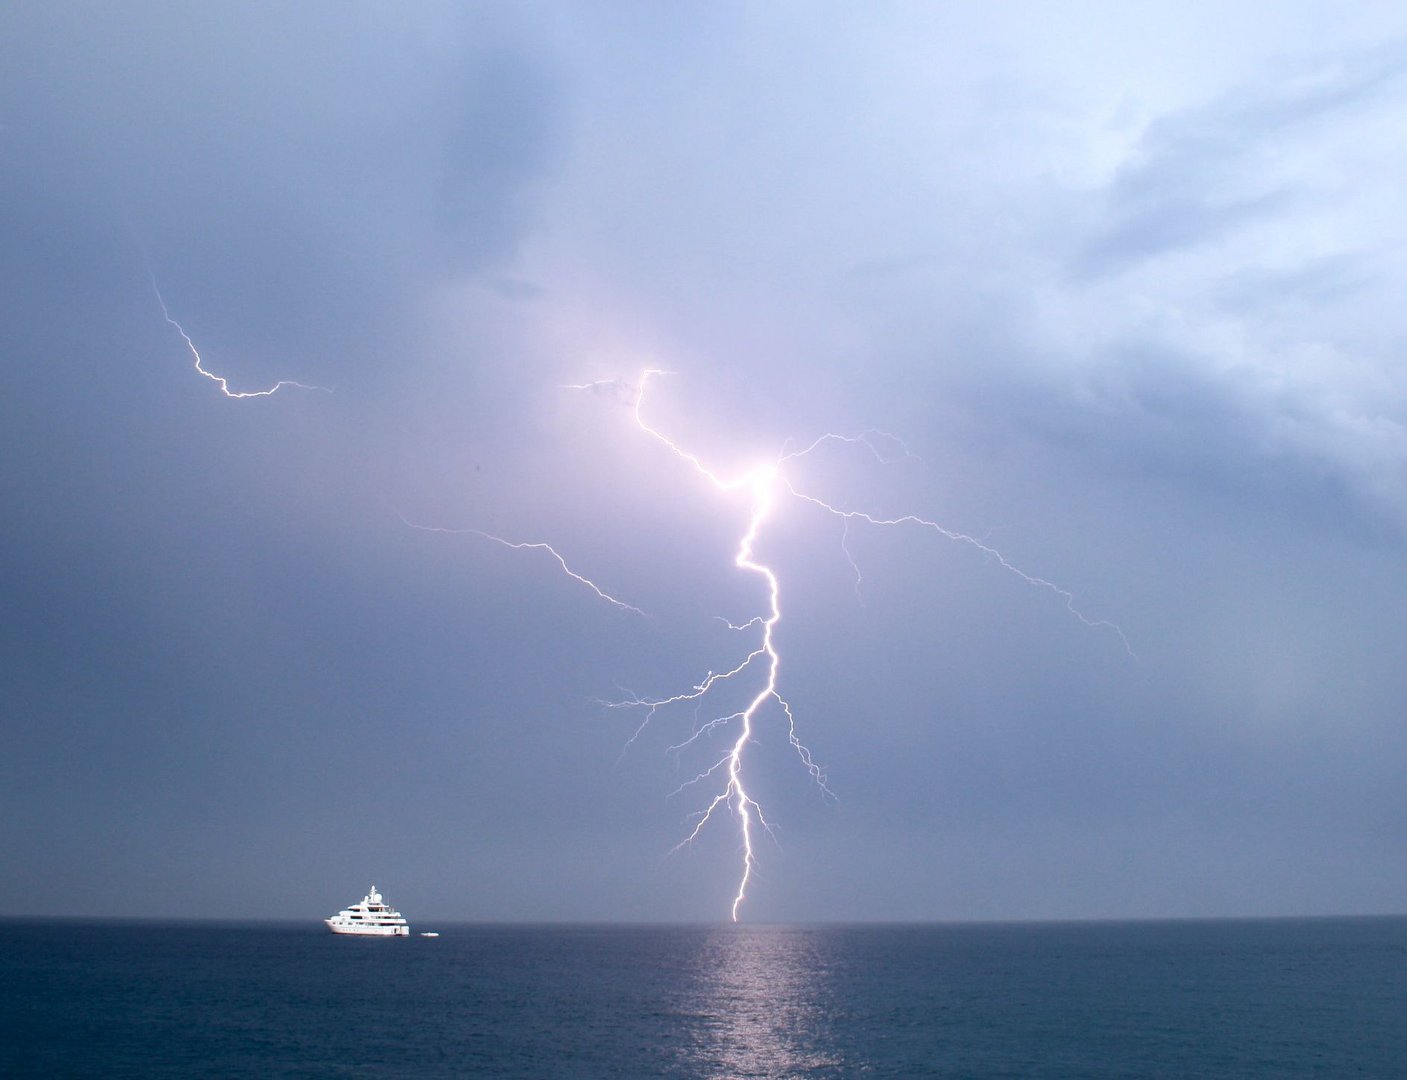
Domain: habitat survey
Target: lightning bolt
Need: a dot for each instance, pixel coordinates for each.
(219, 380)
(759, 667)
(763, 484)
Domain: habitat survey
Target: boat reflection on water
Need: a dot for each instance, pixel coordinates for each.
(764, 1006)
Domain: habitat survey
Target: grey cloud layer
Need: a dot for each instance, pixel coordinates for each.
(1134, 304)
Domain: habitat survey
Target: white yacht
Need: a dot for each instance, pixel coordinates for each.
(373, 916)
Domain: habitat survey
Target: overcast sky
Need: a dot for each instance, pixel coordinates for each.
(1126, 280)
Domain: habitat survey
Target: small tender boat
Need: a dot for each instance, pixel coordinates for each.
(373, 917)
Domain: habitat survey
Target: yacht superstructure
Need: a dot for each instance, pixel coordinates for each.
(373, 917)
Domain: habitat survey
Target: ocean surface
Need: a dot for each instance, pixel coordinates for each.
(1224, 999)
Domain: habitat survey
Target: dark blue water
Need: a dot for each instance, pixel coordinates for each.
(1283, 998)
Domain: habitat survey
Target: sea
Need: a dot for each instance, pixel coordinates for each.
(1224, 999)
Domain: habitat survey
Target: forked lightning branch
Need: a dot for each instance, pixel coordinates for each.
(756, 669)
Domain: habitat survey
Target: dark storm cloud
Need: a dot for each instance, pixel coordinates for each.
(272, 162)
(1134, 306)
(505, 131)
(1156, 416)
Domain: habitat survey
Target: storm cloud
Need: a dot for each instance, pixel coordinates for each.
(1127, 285)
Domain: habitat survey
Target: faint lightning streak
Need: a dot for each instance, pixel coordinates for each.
(529, 546)
(219, 380)
(971, 541)
(850, 558)
(865, 439)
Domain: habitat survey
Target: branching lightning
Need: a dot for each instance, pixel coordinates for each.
(760, 666)
(758, 672)
(849, 516)
(763, 484)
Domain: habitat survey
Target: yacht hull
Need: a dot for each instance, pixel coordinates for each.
(367, 931)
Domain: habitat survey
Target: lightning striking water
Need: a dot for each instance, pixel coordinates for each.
(220, 380)
(761, 665)
(762, 484)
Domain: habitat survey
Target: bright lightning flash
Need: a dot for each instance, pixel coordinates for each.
(762, 484)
